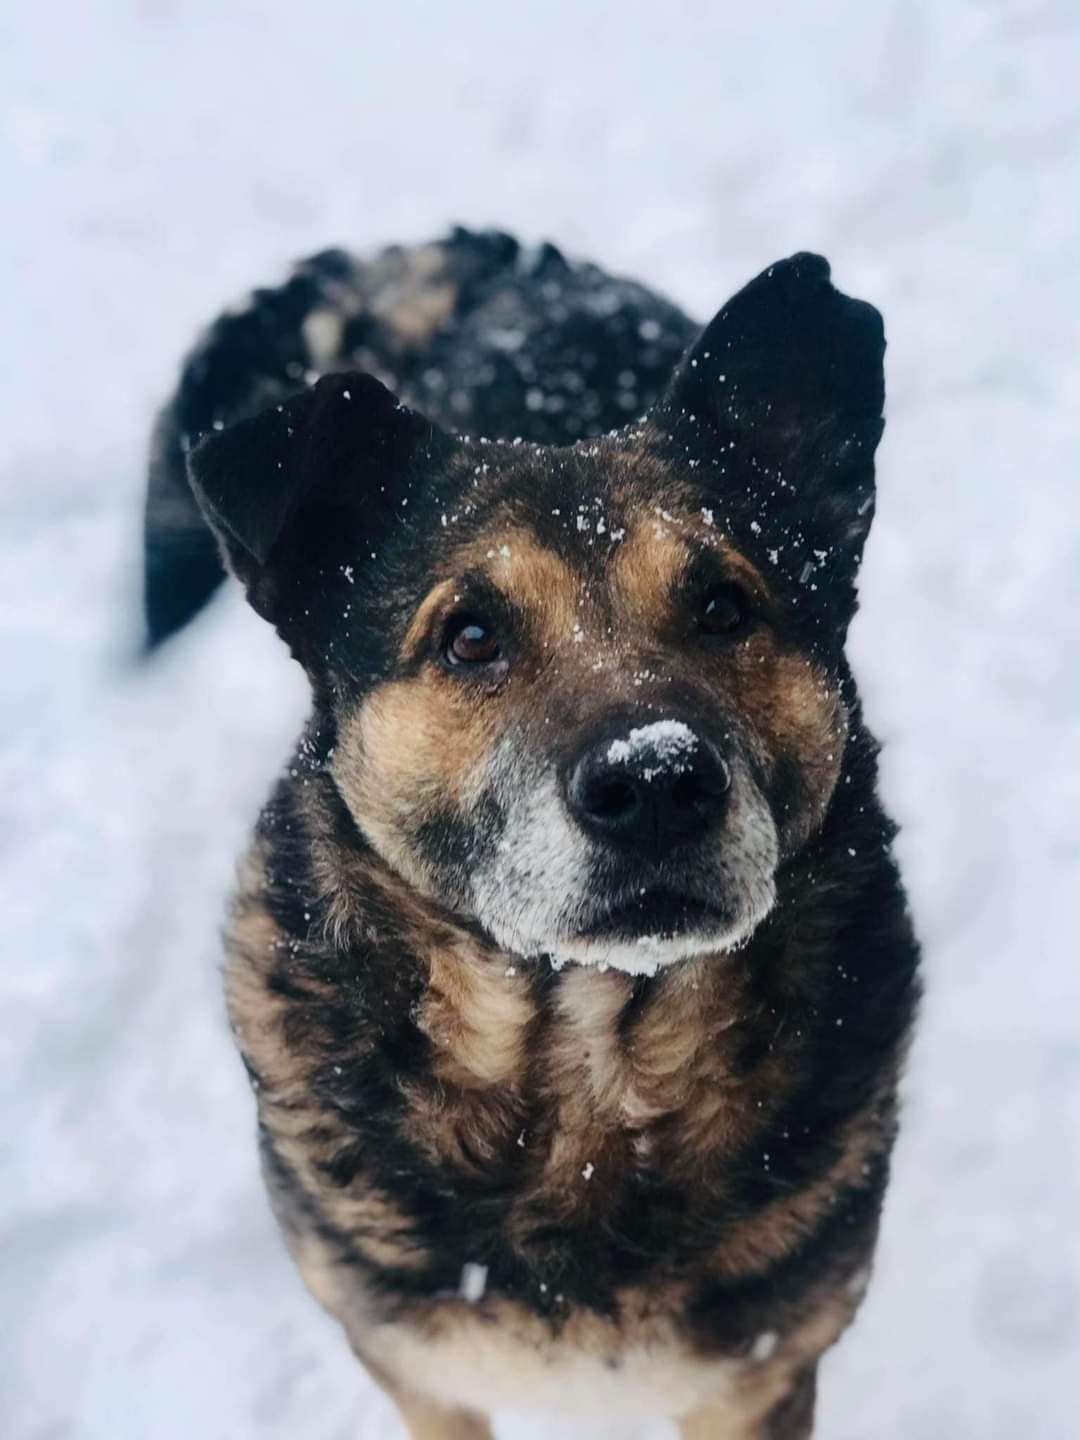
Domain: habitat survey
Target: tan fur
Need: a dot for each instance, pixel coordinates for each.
(636, 1363)
(286, 1104)
(425, 1421)
(589, 1365)
(539, 582)
(476, 1014)
(632, 1366)
(411, 293)
(653, 557)
(411, 744)
(711, 1117)
(609, 1093)
(645, 570)
(759, 1397)
(797, 714)
(417, 317)
(474, 1017)
(584, 1076)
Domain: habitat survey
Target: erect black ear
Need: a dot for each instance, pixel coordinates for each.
(344, 443)
(788, 379)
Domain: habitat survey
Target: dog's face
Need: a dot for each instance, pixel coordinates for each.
(587, 698)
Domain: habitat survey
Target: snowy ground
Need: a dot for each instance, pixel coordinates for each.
(159, 157)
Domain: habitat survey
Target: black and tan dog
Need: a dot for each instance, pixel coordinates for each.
(570, 964)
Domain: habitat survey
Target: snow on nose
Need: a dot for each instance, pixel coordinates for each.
(662, 747)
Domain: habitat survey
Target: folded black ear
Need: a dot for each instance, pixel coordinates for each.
(303, 496)
(345, 442)
(788, 379)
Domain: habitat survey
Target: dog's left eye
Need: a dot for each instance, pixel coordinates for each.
(724, 611)
(471, 642)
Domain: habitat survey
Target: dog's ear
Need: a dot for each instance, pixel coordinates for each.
(326, 466)
(788, 380)
(343, 444)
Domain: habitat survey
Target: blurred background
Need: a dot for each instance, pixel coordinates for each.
(158, 159)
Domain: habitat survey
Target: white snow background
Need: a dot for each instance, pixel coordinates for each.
(159, 158)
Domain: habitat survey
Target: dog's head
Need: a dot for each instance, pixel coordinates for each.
(588, 698)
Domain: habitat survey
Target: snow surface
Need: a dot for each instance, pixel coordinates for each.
(158, 159)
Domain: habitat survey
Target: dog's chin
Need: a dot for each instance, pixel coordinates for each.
(641, 940)
(644, 955)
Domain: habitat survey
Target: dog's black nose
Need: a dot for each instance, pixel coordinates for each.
(657, 786)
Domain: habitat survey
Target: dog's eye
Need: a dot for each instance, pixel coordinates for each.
(724, 611)
(471, 642)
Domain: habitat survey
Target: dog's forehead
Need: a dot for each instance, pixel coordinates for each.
(606, 515)
(549, 481)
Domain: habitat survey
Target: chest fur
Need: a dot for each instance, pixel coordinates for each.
(586, 1139)
(580, 1085)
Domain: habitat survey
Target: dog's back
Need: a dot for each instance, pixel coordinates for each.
(480, 334)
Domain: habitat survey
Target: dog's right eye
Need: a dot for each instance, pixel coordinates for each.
(724, 611)
(470, 641)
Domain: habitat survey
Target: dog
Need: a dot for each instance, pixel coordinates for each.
(569, 963)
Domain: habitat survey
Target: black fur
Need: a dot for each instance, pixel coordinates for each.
(782, 397)
(535, 347)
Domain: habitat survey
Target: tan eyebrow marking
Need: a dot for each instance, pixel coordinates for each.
(744, 571)
(659, 547)
(535, 579)
(419, 626)
(645, 568)
(532, 577)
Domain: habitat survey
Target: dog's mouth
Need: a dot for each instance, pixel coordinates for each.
(642, 931)
(655, 913)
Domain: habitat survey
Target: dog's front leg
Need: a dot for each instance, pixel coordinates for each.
(789, 1418)
(425, 1421)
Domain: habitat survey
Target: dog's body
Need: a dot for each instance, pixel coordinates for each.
(569, 964)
